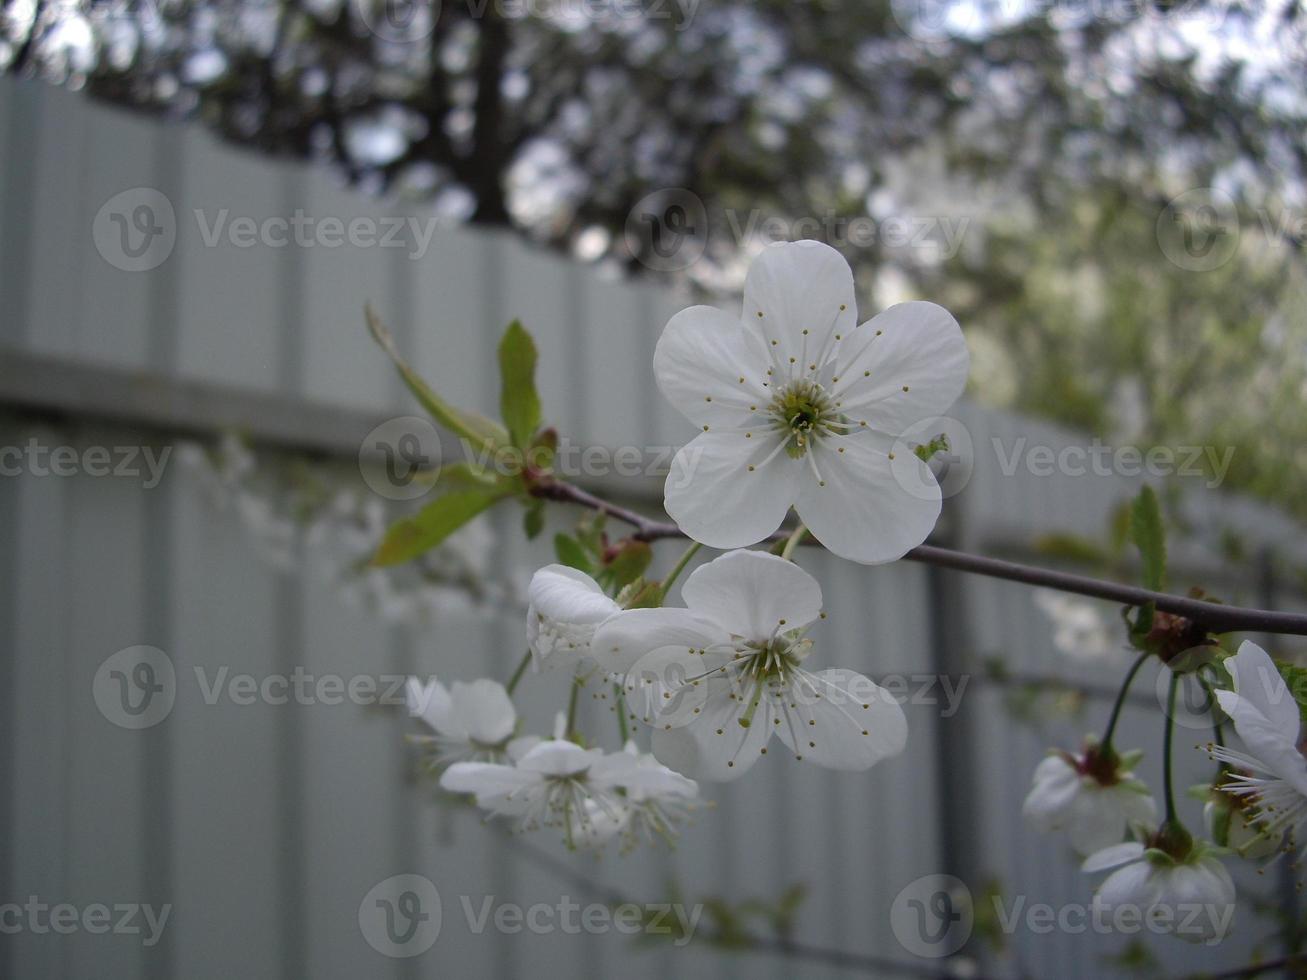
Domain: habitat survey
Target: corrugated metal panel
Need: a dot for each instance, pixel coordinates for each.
(265, 825)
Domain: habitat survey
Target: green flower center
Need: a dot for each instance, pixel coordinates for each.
(804, 410)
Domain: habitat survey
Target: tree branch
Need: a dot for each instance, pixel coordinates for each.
(1213, 616)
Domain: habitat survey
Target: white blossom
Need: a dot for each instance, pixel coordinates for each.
(1094, 803)
(1271, 773)
(467, 721)
(566, 606)
(1192, 898)
(718, 679)
(800, 405)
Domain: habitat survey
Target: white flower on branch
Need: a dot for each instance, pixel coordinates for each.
(1267, 719)
(1192, 898)
(473, 721)
(800, 405)
(1093, 798)
(717, 680)
(566, 606)
(591, 796)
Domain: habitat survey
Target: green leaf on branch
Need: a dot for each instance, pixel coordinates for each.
(533, 521)
(410, 537)
(1149, 536)
(468, 476)
(482, 432)
(628, 564)
(571, 554)
(519, 404)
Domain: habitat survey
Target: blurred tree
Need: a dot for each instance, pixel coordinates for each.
(1032, 147)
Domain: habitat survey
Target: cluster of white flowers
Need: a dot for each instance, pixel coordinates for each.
(592, 796)
(1256, 805)
(800, 406)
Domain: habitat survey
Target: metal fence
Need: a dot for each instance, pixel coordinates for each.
(264, 826)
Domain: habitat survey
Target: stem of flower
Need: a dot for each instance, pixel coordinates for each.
(619, 706)
(517, 674)
(1106, 745)
(679, 567)
(1166, 748)
(1218, 733)
(578, 681)
(792, 542)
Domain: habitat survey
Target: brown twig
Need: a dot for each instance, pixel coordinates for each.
(1215, 617)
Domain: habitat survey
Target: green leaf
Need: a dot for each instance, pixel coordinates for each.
(570, 553)
(519, 404)
(1149, 536)
(482, 432)
(533, 521)
(410, 537)
(629, 563)
(1295, 679)
(467, 476)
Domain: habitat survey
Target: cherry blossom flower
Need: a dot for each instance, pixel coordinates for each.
(1272, 773)
(800, 405)
(718, 679)
(1192, 897)
(590, 795)
(1093, 799)
(467, 721)
(566, 606)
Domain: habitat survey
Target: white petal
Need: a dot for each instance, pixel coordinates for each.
(1265, 740)
(484, 710)
(719, 749)
(798, 286)
(486, 779)
(629, 635)
(565, 607)
(716, 499)
(1056, 784)
(569, 595)
(751, 593)
(1110, 857)
(667, 687)
(710, 367)
(863, 513)
(520, 746)
(842, 720)
(920, 348)
(555, 757)
(431, 702)
(1258, 681)
(1097, 819)
(1133, 886)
